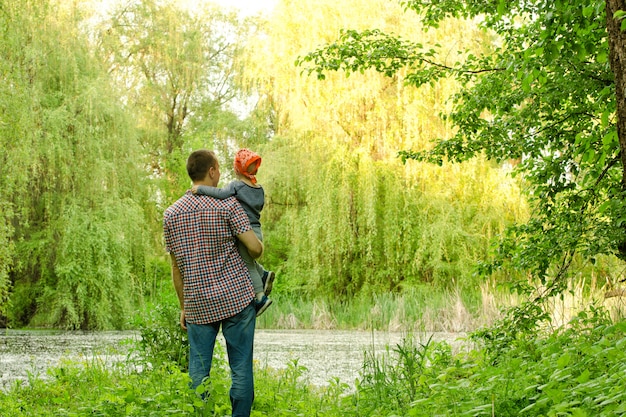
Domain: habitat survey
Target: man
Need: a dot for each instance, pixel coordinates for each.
(211, 280)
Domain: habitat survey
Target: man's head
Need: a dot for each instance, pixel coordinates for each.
(202, 167)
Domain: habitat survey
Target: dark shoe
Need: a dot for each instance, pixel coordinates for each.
(262, 305)
(268, 281)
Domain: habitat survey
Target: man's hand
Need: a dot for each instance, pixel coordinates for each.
(252, 243)
(194, 189)
(183, 323)
(177, 279)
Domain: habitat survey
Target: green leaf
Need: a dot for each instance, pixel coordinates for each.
(619, 14)
(502, 7)
(564, 360)
(583, 377)
(604, 118)
(610, 139)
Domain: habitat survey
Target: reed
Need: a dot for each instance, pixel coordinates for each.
(424, 309)
(416, 309)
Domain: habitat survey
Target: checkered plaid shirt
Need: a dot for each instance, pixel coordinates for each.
(201, 231)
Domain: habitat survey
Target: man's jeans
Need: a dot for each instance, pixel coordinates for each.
(239, 334)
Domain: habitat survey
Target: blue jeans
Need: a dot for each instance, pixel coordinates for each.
(239, 334)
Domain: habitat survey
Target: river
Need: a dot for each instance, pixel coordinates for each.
(326, 354)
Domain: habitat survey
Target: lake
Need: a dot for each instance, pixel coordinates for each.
(327, 354)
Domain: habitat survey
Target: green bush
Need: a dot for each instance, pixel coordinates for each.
(575, 371)
(162, 340)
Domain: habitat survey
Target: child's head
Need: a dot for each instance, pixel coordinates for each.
(247, 164)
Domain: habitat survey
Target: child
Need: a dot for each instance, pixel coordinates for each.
(252, 198)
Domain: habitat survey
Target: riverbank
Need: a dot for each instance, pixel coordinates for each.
(326, 354)
(576, 370)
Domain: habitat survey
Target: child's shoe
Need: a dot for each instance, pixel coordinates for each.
(268, 281)
(262, 305)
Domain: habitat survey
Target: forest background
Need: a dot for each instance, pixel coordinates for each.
(101, 108)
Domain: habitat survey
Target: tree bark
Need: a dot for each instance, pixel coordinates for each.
(617, 56)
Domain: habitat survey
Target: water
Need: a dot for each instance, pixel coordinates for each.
(329, 354)
(326, 354)
(32, 352)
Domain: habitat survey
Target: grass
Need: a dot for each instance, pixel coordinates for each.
(422, 308)
(522, 364)
(417, 309)
(575, 371)
(425, 309)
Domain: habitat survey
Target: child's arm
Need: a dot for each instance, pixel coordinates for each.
(220, 193)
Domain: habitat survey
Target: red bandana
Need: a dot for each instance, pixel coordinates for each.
(243, 159)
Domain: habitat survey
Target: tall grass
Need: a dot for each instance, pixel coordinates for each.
(572, 371)
(575, 369)
(416, 309)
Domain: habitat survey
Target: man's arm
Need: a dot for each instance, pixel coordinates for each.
(177, 279)
(252, 243)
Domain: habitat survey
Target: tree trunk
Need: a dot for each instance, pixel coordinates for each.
(617, 55)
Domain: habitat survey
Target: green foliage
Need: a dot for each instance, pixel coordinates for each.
(181, 66)
(162, 341)
(92, 153)
(576, 371)
(405, 375)
(355, 51)
(542, 91)
(419, 309)
(343, 213)
(571, 371)
(514, 331)
(95, 390)
(389, 230)
(79, 225)
(6, 259)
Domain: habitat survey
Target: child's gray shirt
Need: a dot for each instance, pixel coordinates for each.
(252, 199)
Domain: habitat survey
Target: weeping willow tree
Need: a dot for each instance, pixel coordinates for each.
(176, 66)
(76, 229)
(344, 214)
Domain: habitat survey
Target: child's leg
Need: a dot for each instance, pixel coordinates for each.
(256, 271)
(253, 268)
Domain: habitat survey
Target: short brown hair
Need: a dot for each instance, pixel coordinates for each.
(199, 162)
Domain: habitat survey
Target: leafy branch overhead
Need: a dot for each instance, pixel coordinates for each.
(544, 86)
(357, 51)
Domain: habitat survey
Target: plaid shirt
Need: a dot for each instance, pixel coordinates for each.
(201, 231)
